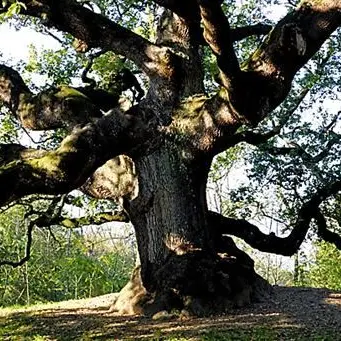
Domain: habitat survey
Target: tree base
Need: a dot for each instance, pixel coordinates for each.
(195, 283)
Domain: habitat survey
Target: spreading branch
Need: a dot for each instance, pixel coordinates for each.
(62, 107)
(292, 42)
(286, 246)
(50, 109)
(78, 156)
(89, 27)
(190, 12)
(52, 216)
(265, 79)
(324, 233)
(217, 34)
(226, 139)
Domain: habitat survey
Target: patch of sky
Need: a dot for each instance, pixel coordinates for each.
(15, 44)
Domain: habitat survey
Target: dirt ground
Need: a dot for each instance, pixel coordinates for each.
(291, 313)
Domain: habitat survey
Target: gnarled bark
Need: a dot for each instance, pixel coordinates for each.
(183, 264)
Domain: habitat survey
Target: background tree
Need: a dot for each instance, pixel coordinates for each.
(325, 272)
(173, 132)
(65, 262)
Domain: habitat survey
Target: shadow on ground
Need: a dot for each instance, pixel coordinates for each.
(292, 314)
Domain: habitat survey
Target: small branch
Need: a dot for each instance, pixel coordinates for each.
(27, 249)
(332, 122)
(88, 66)
(251, 137)
(240, 33)
(52, 217)
(97, 219)
(60, 41)
(308, 160)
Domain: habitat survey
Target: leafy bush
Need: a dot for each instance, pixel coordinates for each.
(62, 265)
(326, 272)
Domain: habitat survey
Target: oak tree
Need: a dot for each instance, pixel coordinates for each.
(155, 154)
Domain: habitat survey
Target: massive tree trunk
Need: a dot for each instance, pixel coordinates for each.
(184, 263)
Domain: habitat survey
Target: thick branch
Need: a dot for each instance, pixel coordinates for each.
(54, 108)
(286, 246)
(268, 74)
(217, 34)
(265, 79)
(12, 152)
(96, 30)
(79, 155)
(70, 16)
(324, 233)
(115, 180)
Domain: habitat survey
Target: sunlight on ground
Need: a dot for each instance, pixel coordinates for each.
(286, 317)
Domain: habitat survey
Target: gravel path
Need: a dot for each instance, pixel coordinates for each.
(309, 307)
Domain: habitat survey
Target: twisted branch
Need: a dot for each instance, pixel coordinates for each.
(286, 246)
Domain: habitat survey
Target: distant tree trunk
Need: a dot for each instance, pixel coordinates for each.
(181, 266)
(27, 284)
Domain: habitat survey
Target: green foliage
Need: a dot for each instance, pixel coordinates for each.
(13, 9)
(105, 67)
(57, 66)
(63, 265)
(326, 272)
(8, 127)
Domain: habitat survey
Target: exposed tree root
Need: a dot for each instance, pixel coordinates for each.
(195, 283)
